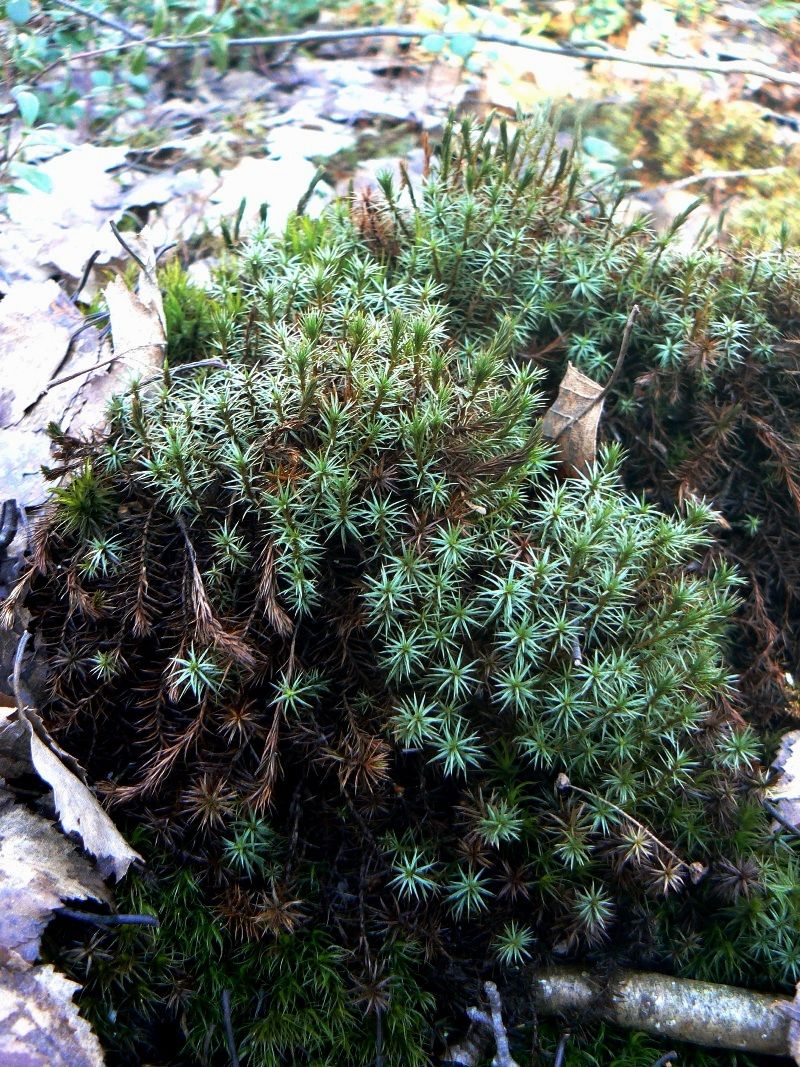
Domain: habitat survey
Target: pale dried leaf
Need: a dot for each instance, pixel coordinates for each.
(79, 811)
(39, 1021)
(35, 329)
(23, 737)
(39, 870)
(137, 319)
(37, 321)
(22, 455)
(279, 183)
(784, 793)
(572, 421)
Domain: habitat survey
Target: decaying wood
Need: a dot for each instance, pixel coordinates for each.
(469, 1052)
(703, 1013)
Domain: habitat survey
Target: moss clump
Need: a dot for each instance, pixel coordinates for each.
(388, 692)
(676, 131)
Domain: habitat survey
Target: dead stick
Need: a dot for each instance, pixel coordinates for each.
(611, 55)
(103, 20)
(702, 1013)
(230, 1040)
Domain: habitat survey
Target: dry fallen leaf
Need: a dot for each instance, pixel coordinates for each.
(138, 325)
(23, 738)
(39, 1022)
(79, 812)
(39, 870)
(46, 378)
(784, 793)
(37, 321)
(572, 420)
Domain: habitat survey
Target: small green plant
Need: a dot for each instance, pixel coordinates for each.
(676, 132)
(42, 37)
(395, 700)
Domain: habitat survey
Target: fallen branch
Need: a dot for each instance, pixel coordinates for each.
(103, 20)
(723, 175)
(485, 1025)
(595, 53)
(702, 1013)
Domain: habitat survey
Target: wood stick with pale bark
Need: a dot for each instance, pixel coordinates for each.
(677, 1009)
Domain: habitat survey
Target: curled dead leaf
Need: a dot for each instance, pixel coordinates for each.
(138, 325)
(24, 735)
(572, 420)
(784, 792)
(39, 870)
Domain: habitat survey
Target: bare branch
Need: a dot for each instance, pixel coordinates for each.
(703, 1013)
(723, 175)
(469, 1052)
(103, 20)
(594, 52)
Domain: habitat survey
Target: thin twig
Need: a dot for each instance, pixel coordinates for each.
(665, 1060)
(78, 373)
(623, 351)
(503, 1057)
(230, 1041)
(109, 361)
(612, 55)
(103, 20)
(91, 53)
(780, 818)
(722, 175)
(183, 368)
(561, 1051)
(626, 815)
(85, 276)
(108, 920)
(134, 255)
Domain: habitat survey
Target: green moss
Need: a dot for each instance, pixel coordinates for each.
(386, 689)
(292, 998)
(676, 131)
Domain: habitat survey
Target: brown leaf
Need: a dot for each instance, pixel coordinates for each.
(39, 869)
(23, 735)
(79, 812)
(39, 1023)
(571, 423)
(137, 319)
(784, 793)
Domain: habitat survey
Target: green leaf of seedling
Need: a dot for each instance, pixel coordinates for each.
(19, 11)
(463, 45)
(597, 148)
(32, 176)
(219, 51)
(28, 104)
(433, 42)
(196, 23)
(138, 61)
(160, 18)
